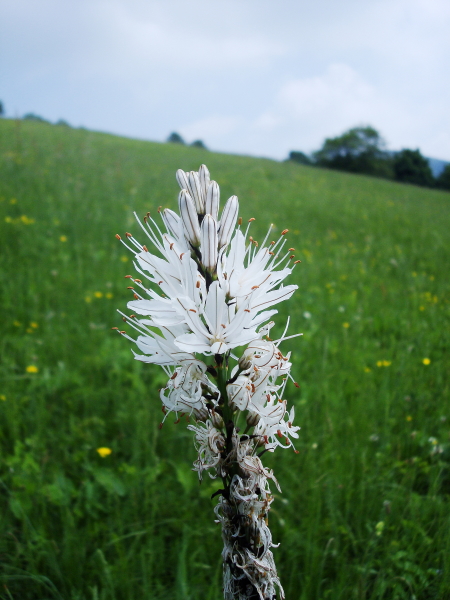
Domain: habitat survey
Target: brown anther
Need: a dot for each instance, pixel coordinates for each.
(246, 310)
(174, 375)
(290, 258)
(272, 253)
(269, 339)
(222, 325)
(252, 219)
(284, 231)
(124, 319)
(130, 287)
(253, 388)
(172, 245)
(160, 282)
(297, 261)
(132, 316)
(288, 441)
(137, 281)
(116, 328)
(136, 297)
(272, 243)
(128, 277)
(291, 249)
(240, 221)
(225, 276)
(181, 255)
(148, 214)
(255, 287)
(160, 425)
(123, 332)
(145, 219)
(118, 236)
(255, 243)
(144, 248)
(279, 434)
(297, 451)
(176, 422)
(266, 439)
(192, 310)
(128, 235)
(163, 408)
(159, 208)
(250, 238)
(197, 285)
(296, 384)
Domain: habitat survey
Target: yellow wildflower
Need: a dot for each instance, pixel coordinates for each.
(98, 294)
(367, 369)
(3, 397)
(409, 418)
(346, 325)
(104, 452)
(32, 369)
(34, 325)
(109, 295)
(124, 259)
(426, 361)
(63, 238)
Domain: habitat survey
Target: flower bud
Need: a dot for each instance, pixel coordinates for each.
(204, 177)
(183, 179)
(208, 236)
(189, 218)
(196, 192)
(228, 220)
(212, 200)
(252, 419)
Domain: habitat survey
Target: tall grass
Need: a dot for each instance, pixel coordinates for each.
(364, 512)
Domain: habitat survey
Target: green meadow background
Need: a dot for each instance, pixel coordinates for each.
(364, 512)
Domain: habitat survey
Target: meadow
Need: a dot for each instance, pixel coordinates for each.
(364, 510)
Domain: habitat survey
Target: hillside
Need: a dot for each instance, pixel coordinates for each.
(364, 509)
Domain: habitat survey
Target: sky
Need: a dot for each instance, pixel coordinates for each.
(257, 77)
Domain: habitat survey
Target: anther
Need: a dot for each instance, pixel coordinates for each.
(272, 253)
(296, 384)
(137, 281)
(291, 249)
(128, 235)
(246, 310)
(122, 332)
(148, 214)
(284, 231)
(163, 408)
(178, 420)
(192, 310)
(197, 285)
(118, 236)
(159, 208)
(132, 316)
(136, 297)
(124, 319)
(145, 219)
(144, 248)
(255, 287)
(174, 375)
(116, 328)
(297, 261)
(160, 282)
(224, 326)
(128, 277)
(272, 243)
(279, 434)
(181, 255)
(290, 258)
(252, 219)
(172, 245)
(130, 287)
(240, 221)
(297, 451)
(160, 425)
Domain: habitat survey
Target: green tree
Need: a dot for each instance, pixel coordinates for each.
(175, 138)
(300, 157)
(358, 150)
(199, 144)
(443, 181)
(2, 109)
(411, 167)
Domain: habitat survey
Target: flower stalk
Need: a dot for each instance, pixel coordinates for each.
(205, 314)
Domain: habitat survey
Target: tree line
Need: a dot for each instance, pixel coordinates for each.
(362, 150)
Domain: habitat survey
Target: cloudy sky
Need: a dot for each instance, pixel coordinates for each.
(259, 77)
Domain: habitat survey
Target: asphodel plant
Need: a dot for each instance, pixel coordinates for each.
(202, 309)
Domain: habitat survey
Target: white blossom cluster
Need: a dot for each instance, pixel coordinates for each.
(208, 288)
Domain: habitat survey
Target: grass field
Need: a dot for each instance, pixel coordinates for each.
(364, 512)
